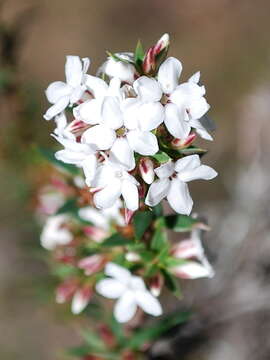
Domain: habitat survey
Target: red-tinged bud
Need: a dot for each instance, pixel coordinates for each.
(92, 264)
(65, 291)
(77, 127)
(128, 215)
(106, 334)
(60, 185)
(95, 233)
(149, 61)
(156, 284)
(81, 299)
(182, 143)
(162, 44)
(146, 168)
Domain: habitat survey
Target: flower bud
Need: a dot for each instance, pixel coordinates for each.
(192, 270)
(95, 233)
(156, 284)
(91, 264)
(146, 168)
(182, 143)
(132, 256)
(77, 127)
(65, 291)
(81, 299)
(128, 215)
(150, 62)
(106, 335)
(162, 44)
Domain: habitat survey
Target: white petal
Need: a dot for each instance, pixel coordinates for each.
(187, 163)
(70, 157)
(118, 272)
(76, 94)
(169, 74)
(111, 113)
(195, 78)
(110, 288)
(97, 86)
(56, 90)
(125, 308)
(148, 303)
(73, 69)
(196, 124)
(57, 108)
(122, 70)
(107, 197)
(175, 121)
(131, 108)
(157, 191)
(137, 283)
(89, 165)
(100, 136)
(122, 153)
(165, 170)
(179, 197)
(150, 115)
(61, 123)
(80, 300)
(103, 176)
(144, 143)
(130, 195)
(203, 172)
(86, 64)
(197, 108)
(192, 270)
(148, 89)
(90, 111)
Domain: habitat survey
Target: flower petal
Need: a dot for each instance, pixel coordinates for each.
(203, 172)
(111, 113)
(97, 86)
(100, 136)
(125, 308)
(81, 299)
(144, 143)
(157, 191)
(110, 288)
(197, 108)
(130, 195)
(89, 111)
(169, 74)
(150, 116)
(107, 197)
(148, 89)
(73, 70)
(89, 165)
(56, 90)
(57, 108)
(148, 303)
(86, 64)
(175, 121)
(122, 153)
(165, 170)
(118, 272)
(192, 270)
(131, 108)
(196, 124)
(187, 163)
(179, 197)
(70, 157)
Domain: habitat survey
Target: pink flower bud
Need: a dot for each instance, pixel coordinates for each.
(162, 44)
(106, 335)
(150, 59)
(186, 249)
(65, 291)
(156, 284)
(81, 299)
(77, 127)
(146, 168)
(182, 143)
(128, 215)
(91, 264)
(192, 270)
(95, 233)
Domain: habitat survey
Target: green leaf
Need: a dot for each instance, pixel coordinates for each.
(70, 206)
(161, 157)
(118, 58)
(171, 283)
(157, 210)
(180, 223)
(149, 334)
(192, 150)
(139, 52)
(63, 271)
(49, 156)
(117, 240)
(159, 240)
(141, 221)
(172, 261)
(93, 340)
(79, 351)
(117, 330)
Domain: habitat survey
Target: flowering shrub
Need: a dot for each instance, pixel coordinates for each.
(128, 143)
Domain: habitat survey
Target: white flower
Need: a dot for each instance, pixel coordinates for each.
(192, 249)
(54, 233)
(172, 182)
(123, 70)
(62, 94)
(103, 218)
(129, 290)
(186, 101)
(112, 180)
(76, 153)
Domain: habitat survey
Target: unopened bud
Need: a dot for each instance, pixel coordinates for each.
(65, 291)
(128, 215)
(152, 58)
(146, 168)
(156, 284)
(81, 299)
(162, 44)
(77, 127)
(95, 233)
(183, 143)
(91, 264)
(132, 256)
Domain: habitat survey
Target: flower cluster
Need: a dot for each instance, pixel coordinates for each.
(128, 127)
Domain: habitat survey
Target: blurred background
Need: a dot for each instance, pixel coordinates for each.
(228, 41)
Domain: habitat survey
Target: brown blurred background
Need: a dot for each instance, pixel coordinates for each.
(229, 42)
